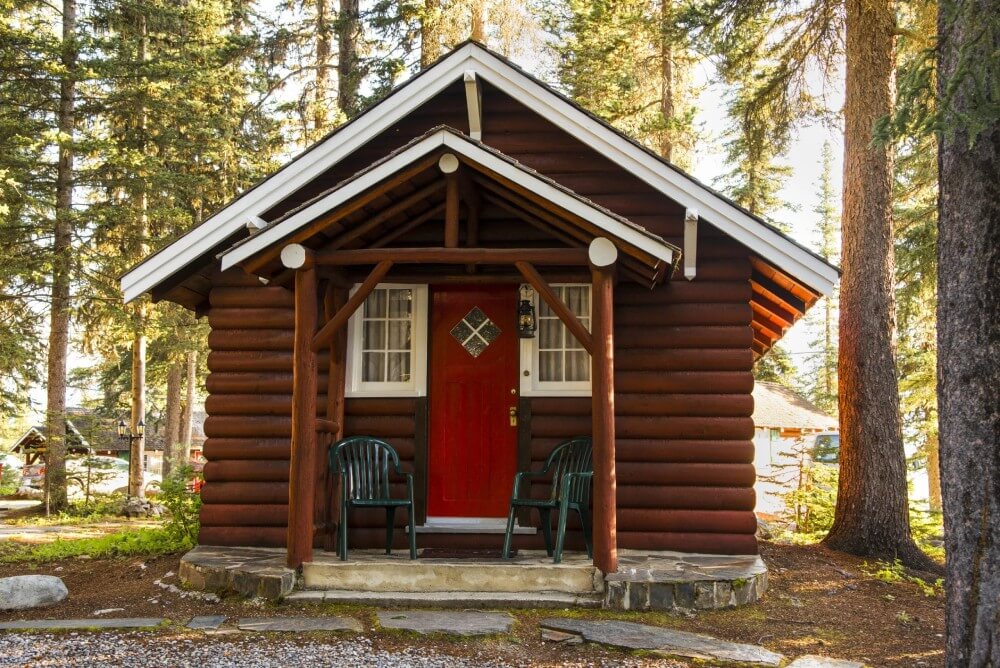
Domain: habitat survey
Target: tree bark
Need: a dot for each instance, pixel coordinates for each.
(666, 77)
(137, 445)
(933, 453)
(969, 335)
(172, 435)
(187, 415)
(430, 38)
(323, 49)
(872, 517)
(477, 31)
(348, 73)
(62, 246)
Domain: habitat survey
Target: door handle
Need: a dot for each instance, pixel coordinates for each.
(513, 416)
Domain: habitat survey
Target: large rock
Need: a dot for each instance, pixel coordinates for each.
(31, 591)
(472, 623)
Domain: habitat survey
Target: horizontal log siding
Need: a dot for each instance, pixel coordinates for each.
(248, 428)
(683, 417)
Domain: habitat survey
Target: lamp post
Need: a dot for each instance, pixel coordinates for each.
(125, 435)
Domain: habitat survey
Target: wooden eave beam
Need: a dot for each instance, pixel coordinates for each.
(349, 235)
(410, 225)
(513, 193)
(334, 324)
(332, 218)
(539, 256)
(582, 231)
(775, 292)
(765, 330)
(766, 307)
(568, 318)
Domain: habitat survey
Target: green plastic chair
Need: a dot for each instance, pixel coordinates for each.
(571, 468)
(364, 464)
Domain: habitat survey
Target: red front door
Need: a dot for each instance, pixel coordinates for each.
(474, 362)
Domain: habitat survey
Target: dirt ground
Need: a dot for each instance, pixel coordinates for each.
(818, 602)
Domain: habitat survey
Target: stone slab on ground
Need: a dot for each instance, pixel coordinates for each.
(104, 623)
(206, 622)
(23, 592)
(666, 642)
(298, 624)
(249, 571)
(812, 661)
(466, 623)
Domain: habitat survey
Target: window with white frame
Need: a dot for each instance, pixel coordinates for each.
(554, 363)
(387, 343)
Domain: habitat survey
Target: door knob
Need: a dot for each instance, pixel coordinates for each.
(513, 416)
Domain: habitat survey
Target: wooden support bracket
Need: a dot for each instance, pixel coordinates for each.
(568, 318)
(333, 325)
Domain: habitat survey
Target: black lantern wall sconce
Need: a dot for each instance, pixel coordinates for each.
(527, 323)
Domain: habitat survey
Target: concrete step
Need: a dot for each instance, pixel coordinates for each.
(450, 599)
(438, 575)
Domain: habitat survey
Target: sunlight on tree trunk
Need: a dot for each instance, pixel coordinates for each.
(872, 509)
(171, 440)
(137, 445)
(62, 247)
(348, 76)
(187, 416)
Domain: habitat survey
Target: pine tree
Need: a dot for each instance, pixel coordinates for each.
(821, 385)
(628, 62)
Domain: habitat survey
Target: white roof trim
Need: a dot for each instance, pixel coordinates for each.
(714, 209)
(458, 144)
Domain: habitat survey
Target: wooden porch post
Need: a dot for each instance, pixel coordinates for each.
(302, 465)
(603, 255)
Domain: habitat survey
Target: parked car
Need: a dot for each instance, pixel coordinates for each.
(105, 475)
(826, 448)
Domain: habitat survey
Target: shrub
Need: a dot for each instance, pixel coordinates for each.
(135, 542)
(182, 504)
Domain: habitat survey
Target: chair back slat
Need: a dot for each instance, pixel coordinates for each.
(364, 462)
(573, 456)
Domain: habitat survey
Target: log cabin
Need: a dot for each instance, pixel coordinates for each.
(376, 285)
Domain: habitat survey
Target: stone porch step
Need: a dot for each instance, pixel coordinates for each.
(450, 599)
(578, 577)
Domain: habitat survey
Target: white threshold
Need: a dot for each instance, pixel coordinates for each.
(489, 525)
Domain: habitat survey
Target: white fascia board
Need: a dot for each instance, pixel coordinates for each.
(689, 194)
(276, 233)
(473, 153)
(294, 175)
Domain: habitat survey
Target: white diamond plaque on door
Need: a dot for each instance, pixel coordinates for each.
(475, 331)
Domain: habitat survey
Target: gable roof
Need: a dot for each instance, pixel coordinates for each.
(471, 57)
(778, 407)
(478, 156)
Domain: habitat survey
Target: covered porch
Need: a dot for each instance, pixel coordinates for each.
(415, 218)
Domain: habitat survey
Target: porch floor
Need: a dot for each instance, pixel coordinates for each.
(645, 580)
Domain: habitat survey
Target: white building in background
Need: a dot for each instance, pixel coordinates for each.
(785, 423)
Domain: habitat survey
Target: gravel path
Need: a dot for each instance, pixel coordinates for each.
(142, 650)
(92, 650)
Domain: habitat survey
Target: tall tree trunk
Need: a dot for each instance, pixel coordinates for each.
(173, 432)
(137, 445)
(62, 247)
(478, 20)
(348, 73)
(969, 333)
(872, 516)
(430, 37)
(187, 417)
(322, 64)
(933, 453)
(666, 77)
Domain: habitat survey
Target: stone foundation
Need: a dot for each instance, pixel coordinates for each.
(677, 582)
